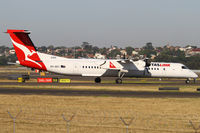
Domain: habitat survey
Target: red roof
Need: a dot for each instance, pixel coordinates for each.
(80, 50)
(90, 55)
(196, 50)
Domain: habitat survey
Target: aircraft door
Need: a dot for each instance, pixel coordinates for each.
(76, 68)
(163, 71)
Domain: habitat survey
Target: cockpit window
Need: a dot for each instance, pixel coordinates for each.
(184, 67)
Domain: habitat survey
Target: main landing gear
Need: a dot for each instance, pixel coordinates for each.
(97, 80)
(118, 81)
(120, 76)
(188, 81)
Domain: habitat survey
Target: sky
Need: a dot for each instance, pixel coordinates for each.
(103, 22)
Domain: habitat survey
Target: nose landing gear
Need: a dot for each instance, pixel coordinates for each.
(188, 81)
(194, 80)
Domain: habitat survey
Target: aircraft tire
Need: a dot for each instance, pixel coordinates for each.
(97, 80)
(187, 81)
(118, 81)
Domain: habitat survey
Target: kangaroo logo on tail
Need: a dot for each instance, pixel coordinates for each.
(28, 53)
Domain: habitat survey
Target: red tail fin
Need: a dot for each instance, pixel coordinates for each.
(25, 49)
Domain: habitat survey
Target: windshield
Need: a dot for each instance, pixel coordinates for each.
(184, 67)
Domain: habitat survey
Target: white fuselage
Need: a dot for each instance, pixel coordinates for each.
(102, 68)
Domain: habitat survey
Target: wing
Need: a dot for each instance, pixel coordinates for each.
(114, 65)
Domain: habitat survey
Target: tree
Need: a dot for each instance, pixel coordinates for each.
(12, 58)
(114, 53)
(148, 46)
(95, 49)
(84, 44)
(51, 47)
(147, 52)
(3, 60)
(103, 51)
(2, 49)
(129, 50)
(87, 47)
(43, 49)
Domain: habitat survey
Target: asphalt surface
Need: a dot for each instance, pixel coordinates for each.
(74, 92)
(24, 90)
(172, 83)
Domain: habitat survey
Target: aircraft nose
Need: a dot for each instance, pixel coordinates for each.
(194, 75)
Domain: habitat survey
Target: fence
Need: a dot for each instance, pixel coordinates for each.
(86, 121)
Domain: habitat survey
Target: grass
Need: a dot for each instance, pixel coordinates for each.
(42, 114)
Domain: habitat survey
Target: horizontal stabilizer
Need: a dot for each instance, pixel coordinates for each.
(18, 31)
(13, 63)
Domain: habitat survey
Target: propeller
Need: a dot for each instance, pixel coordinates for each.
(147, 62)
(147, 65)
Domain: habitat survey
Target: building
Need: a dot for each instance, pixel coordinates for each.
(123, 52)
(99, 56)
(12, 51)
(134, 53)
(193, 52)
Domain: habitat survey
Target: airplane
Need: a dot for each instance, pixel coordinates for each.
(28, 56)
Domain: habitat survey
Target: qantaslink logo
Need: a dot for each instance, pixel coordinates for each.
(111, 65)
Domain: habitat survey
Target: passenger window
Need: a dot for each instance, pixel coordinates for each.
(85, 66)
(62, 66)
(82, 66)
(88, 66)
(154, 68)
(151, 68)
(157, 68)
(91, 66)
(164, 69)
(95, 67)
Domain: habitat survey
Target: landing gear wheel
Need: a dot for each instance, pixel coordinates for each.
(97, 80)
(187, 81)
(118, 81)
(194, 80)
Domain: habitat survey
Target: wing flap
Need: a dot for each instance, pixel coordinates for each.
(92, 75)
